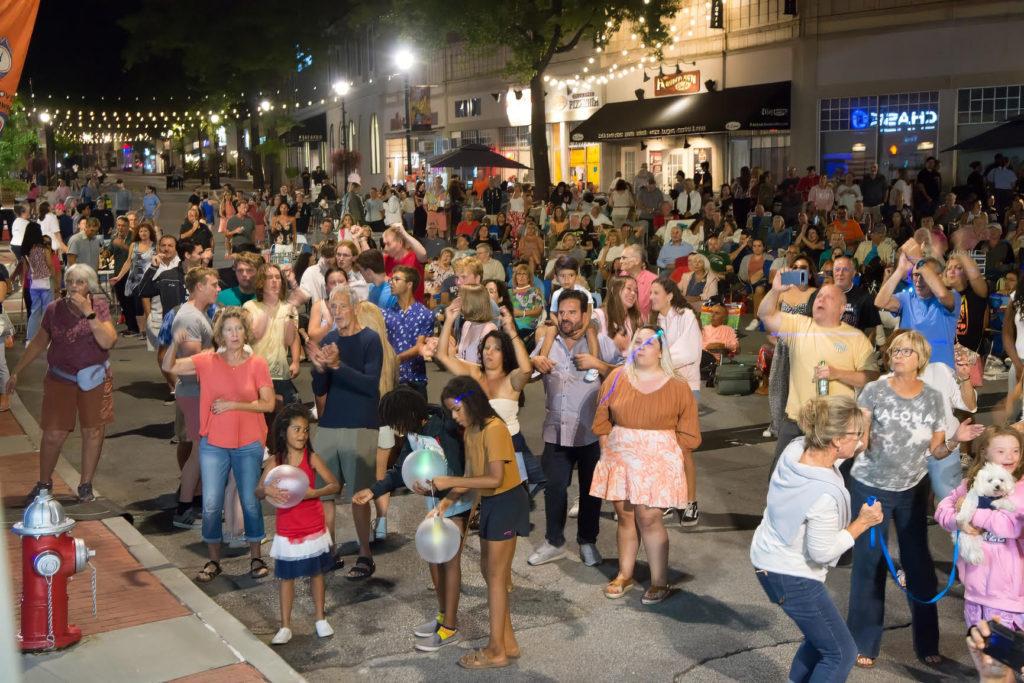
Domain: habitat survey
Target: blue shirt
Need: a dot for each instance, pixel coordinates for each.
(353, 390)
(777, 242)
(670, 252)
(933, 320)
(381, 296)
(404, 328)
(149, 204)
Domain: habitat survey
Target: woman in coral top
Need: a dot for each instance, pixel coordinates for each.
(235, 390)
(645, 421)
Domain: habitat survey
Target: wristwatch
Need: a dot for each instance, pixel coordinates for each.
(91, 316)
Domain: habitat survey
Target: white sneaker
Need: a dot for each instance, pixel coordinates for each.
(574, 511)
(753, 325)
(545, 553)
(283, 636)
(767, 433)
(323, 629)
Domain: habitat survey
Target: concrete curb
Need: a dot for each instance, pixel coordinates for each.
(235, 635)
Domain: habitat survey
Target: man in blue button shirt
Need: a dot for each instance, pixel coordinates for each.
(929, 306)
(409, 324)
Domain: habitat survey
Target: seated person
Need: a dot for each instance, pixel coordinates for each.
(847, 227)
(836, 247)
(718, 337)
(720, 260)
(468, 226)
(673, 249)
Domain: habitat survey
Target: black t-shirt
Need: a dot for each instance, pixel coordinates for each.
(302, 213)
(202, 235)
(970, 327)
(860, 311)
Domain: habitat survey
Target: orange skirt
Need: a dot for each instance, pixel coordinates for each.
(643, 466)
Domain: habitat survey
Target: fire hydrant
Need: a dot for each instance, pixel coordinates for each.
(49, 558)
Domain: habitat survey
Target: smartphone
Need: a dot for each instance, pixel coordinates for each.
(795, 277)
(1005, 645)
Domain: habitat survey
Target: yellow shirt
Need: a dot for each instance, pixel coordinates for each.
(271, 345)
(493, 443)
(844, 347)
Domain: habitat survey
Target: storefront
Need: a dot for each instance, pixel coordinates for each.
(980, 110)
(896, 131)
(729, 129)
(307, 143)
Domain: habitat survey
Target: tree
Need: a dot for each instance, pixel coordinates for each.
(254, 49)
(18, 141)
(535, 31)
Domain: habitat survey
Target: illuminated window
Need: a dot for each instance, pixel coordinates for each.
(374, 145)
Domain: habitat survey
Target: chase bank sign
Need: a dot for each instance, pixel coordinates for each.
(894, 120)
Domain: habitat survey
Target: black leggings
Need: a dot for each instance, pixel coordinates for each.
(127, 304)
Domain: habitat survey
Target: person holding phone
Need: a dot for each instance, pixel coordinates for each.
(996, 650)
(807, 526)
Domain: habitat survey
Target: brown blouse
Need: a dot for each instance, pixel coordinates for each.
(672, 407)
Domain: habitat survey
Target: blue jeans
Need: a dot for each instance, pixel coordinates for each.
(245, 463)
(39, 299)
(828, 652)
(907, 511)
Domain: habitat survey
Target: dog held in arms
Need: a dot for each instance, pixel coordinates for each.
(990, 489)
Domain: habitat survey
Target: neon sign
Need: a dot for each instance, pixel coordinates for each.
(922, 119)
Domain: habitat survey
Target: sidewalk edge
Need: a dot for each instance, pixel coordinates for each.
(225, 626)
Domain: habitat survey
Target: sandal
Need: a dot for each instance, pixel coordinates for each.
(258, 568)
(362, 569)
(206, 575)
(865, 662)
(655, 594)
(932, 660)
(478, 660)
(618, 587)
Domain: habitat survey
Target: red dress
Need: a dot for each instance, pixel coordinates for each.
(302, 546)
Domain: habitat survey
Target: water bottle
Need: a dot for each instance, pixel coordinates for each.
(822, 382)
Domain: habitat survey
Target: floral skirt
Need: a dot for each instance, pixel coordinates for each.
(643, 466)
(516, 219)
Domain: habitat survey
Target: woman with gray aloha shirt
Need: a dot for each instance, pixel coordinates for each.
(907, 424)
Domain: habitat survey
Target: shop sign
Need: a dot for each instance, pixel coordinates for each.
(583, 100)
(895, 120)
(519, 109)
(677, 84)
(647, 133)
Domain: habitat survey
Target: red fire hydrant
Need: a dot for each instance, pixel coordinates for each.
(49, 558)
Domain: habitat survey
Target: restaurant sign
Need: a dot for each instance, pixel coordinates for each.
(677, 84)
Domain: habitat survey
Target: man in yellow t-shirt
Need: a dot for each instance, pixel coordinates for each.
(849, 359)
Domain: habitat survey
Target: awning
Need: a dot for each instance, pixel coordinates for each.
(313, 129)
(752, 107)
(1006, 136)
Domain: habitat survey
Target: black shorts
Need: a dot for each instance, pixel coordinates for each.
(505, 515)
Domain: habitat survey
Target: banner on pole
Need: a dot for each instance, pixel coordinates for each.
(716, 14)
(17, 19)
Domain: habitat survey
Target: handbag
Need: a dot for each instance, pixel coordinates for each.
(87, 378)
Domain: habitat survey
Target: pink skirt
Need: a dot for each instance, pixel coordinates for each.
(643, 466)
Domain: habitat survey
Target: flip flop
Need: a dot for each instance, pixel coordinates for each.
(864, 662)
(478, 660)
(655, 595)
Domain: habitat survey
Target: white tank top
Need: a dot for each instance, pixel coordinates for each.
(507, 410)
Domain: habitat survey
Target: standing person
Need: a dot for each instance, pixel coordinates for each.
(408, 325)
(195, 228)
(39, 275)
(346, 369)
(375, 211)
(77, 334)
(371, 265)
(151, 204)
(241, 228)
(569, 441)
(682, 336)
(275, 331)
(632, 263)
(302, 546)
(191, 322)
(234, 390)
(122, 198)
(821, 347)
(873, 187)
(929, 306)
(120, 248)
(353, 203)
(618, 318)
(963, 276)
(907, 425)
(246, 266)
(806, 527)
(18, 229)
(646, 422)
(345, 258)
(859, 310)
(402, 249)
(140, 255)
(504, 510)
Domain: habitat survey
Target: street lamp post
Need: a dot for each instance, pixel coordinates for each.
(215, 172)
(404, 60)
(341, 88)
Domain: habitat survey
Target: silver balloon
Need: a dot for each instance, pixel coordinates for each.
(291, 479)
(437, 539)
(423, 466)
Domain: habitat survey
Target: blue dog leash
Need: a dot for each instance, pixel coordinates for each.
(892, 567)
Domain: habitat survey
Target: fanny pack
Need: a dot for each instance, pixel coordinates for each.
(88, 378)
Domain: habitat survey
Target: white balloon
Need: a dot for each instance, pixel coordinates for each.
(438, 539)
(423, 466)
(291, 479)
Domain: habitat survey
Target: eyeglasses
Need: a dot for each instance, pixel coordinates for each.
(901, 352)
(395, 278)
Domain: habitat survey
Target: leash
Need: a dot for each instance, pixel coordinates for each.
(877, 538)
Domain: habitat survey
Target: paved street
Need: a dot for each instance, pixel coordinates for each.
(717, 626)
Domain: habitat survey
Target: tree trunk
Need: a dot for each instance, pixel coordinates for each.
(539, 139)
(255, 163)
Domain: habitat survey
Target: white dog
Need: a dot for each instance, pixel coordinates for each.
(992, 481)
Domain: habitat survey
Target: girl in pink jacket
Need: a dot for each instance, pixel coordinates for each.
(994, 588)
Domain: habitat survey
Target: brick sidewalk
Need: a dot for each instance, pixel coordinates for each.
(143, 629)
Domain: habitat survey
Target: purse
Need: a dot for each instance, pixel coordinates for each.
(87, 378)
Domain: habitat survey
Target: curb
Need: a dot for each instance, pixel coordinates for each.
(245, 646)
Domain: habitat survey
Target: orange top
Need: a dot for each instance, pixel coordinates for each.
(850, 230)
(670, 408)
(218, 380)
(490, 444)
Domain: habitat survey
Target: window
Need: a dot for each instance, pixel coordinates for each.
(374, 144)
(351, 135)
(465, 109)
(303, 59)
(771, 153)
(514, 143)
(990, 105)
(332, 136)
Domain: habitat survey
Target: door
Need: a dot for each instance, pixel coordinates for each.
(630, 163)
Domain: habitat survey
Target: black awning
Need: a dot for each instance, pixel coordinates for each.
(1005, 136)
(313, 129)
(752, 107)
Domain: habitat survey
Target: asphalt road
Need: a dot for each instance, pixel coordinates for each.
(717, 626)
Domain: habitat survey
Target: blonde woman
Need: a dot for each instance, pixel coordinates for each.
(369, 316)
(645, 422)
(478, 320)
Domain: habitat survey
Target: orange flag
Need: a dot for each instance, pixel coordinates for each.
(17, 19)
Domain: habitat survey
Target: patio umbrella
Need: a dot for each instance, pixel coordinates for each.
(473, 154)
(1006, 136)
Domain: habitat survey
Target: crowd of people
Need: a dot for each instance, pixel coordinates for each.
(615, 302)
